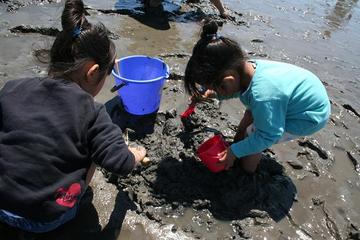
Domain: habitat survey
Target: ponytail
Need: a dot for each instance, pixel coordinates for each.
(78, 42)
(211, 57)
(209, 31)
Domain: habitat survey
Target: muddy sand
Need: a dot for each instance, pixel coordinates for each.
(304, 189)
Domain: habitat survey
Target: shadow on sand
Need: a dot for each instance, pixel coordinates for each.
(228, 195)
(84, 226)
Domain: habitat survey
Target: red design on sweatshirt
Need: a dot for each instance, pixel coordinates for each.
(68, 197)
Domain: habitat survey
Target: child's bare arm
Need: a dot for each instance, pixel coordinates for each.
(244, 123)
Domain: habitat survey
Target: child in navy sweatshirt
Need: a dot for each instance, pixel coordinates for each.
(52, 132)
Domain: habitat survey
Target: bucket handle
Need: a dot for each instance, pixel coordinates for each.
(117, 87)
(167, 73)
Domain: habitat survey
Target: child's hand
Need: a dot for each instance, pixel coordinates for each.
(139, 153)
(209, 94)
(227, 157)
(204, 97)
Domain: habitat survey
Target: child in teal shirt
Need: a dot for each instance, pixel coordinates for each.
(282, 101)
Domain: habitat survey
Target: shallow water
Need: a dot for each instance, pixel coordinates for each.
(319, 35)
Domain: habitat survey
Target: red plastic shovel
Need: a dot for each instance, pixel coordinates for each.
(190, 110)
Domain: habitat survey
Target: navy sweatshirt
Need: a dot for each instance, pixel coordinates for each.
(50, 132)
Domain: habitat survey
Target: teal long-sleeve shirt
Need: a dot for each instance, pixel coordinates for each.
(282, 98)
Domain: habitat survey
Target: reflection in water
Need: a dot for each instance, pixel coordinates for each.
(133, 5)
(339, 15)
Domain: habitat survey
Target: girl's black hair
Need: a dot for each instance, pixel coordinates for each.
(211, 57)
(78, 42)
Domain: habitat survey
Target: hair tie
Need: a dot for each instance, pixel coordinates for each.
(214, 36)
(76, 31)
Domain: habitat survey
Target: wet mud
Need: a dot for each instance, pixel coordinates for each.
(177, 188)
(176, 181)
(41, 30)
(308, 188)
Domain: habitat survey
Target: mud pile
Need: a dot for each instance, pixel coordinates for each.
(176, 181)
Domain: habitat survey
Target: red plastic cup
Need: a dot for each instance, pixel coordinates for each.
(208, 152)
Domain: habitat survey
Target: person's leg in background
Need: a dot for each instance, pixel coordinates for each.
(218, 4)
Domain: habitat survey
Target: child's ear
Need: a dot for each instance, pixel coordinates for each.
(228, 78)
(230, 75)
(93, 73)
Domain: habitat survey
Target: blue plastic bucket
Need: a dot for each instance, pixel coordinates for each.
(142, 79)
